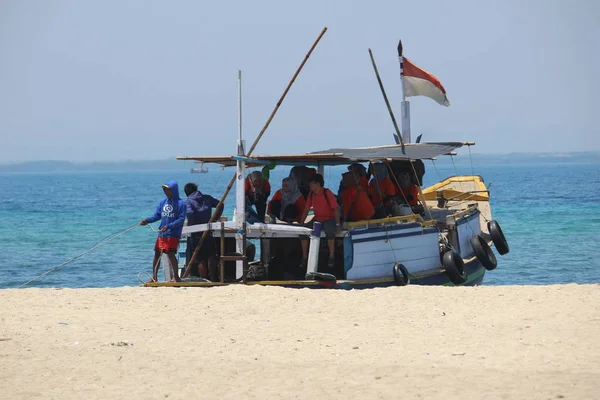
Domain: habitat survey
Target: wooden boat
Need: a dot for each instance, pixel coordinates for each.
(445, 241)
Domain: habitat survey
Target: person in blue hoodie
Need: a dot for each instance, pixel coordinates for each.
(199, 210)
(171, 212)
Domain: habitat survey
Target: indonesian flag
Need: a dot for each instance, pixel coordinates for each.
(418, 82)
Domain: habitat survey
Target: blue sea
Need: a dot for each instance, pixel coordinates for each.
(550, 214)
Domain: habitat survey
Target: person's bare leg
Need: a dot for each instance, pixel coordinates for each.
(304, 244)
(202, 270)
(155, 265)
(212, 269)
(331, 245)
(174, 266)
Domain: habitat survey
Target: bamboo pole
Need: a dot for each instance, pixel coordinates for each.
(387, 102)
(233, 178)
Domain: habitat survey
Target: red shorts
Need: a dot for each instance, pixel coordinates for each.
(166, 244)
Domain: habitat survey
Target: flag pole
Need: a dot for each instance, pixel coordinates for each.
(405, 109)
(387, 102)
(240, 195)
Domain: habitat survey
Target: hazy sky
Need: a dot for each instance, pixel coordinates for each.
(115, 80)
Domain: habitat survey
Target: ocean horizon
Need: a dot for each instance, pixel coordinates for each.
(171, 163)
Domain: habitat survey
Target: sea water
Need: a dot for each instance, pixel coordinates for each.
(550, 214)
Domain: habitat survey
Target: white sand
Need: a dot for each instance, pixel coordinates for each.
(518, 342)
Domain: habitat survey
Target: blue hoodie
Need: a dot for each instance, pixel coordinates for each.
(199, 208)
(171, 213)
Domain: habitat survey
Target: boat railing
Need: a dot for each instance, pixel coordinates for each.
(470, 210)
(404, 219)
(266, 231)
(253, 231)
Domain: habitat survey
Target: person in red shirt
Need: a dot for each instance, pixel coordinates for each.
(258, 190)
(407, 192)
(327, 212)
(287, 203)
(361, 172)
(381, 190)
(356, 205)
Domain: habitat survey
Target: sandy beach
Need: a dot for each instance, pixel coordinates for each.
(512, 342)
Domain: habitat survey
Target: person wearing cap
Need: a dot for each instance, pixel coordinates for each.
(171, 213)
(198, 211)
(327, 212)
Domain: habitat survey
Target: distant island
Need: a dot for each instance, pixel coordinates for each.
(173, 164)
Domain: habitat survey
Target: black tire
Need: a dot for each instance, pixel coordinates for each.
(401, 276)
(484, 253)
(455, 267)
(498, 237)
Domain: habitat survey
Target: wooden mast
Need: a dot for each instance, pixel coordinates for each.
(254, 144)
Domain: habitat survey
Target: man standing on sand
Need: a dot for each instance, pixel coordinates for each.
(171, 212)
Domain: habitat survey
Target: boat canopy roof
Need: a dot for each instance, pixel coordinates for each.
(339, 156)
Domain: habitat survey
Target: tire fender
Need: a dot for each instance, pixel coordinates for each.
(498, 237)
(401, 276)
(483, 252)
(455, 267)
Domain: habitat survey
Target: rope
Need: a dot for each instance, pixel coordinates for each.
(389, 240)
(153, 230)
(100, 243)
(436, 170)
(461, 184)
(422, 197)
(154, 266)
(396, 180)
(454, 165)
(218, 180)
(471, 160)
(144, 272)
(372, 166)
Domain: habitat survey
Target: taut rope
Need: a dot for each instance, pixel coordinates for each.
(101, 243)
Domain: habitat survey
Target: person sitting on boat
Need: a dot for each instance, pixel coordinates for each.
(406, 191)
(257, 190)
(198, 211)
(356, 205)
(361, 172)
(381, 190)
(326, 211)
(171, 212)
(287, 203)
(302, 175)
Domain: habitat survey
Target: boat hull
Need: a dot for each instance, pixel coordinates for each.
(475, 273)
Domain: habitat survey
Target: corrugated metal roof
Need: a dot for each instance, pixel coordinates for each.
(413, 151)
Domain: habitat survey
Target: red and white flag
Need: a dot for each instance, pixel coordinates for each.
(418, 82)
